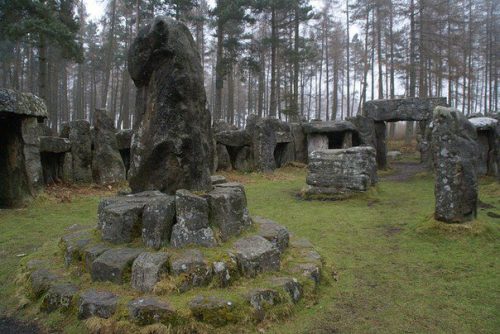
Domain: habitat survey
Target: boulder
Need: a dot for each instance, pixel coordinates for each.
(114, 265)
(92, 252)
(121, 221)
(172, 147)
(192, 221)
(290, 285)
(41, 280)
(243, 160)
(54, 144)
(455, 153)
(107, 163)
(192, 267)
(95, 303)
(228, 211)
(148, 269)
(223, 158)
(81, 150)
(233, 138)
(215, 311)
(217, 179)
(366, 130)
(59, 296)
(157, 220)
(255, 255)
(148, 310)
(275, 233)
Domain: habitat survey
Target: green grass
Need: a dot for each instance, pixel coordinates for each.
(396, 269)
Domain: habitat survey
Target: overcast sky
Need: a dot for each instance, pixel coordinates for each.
(95, 8)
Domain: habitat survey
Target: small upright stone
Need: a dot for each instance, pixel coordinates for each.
(274, 232)
(157, 221)
(193, 268)
(147, 310)
(259, 299)
(256, 255)
(59, 296)
(212, 310)
(91, 252)
(148, 269)
(114, 265)
(73, 245)
(94, 303)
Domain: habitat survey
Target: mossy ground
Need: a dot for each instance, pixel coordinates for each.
(391, 267)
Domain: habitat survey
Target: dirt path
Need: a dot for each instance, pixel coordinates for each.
(403, 171)
(14, 326)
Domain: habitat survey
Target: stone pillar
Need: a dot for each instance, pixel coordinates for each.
(315, 142)
(347, 141)
(81, 149)
(380, 144)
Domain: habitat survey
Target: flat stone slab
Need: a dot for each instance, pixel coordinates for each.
(255, 255)
(59, 296)
(92, 252)
(41, 280)
(54, 144)
(273, 232)
(290, 285)
(95, 303)
(193, 267)
(147, 310)
(217, 179)
(483, 123)
(233, 138)
(73, 244)
(15, 102)
(328, 126)
(405, 109)
(148, 269)
(114, 265)
(230, 185)
(212, 310)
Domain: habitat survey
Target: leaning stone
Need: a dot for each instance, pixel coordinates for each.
(193, 269)
(148, 269)
(212, 310)
(147, 310)
(256, 255)
(41, 280)
(216, 179)
(92, 252)
(94, 303)
(114, 265)
(309, 270)
(274, 232)
(228, 211)
(73, 244)
(59, 296)
(157, 221)
(290, 285)
(121, 222)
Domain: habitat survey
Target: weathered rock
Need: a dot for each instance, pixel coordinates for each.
(212, 310)
(192, 267)
(67, 167)
(316, 141)
(290, 285)
(192, 221)
(256, 255)
(260, 300)
(230, 185)
(228, 211)
(488, 133)
(172, 147)
(81, 146)
(223, 158)
(92, 252)
(54, 144)
(221, 125)
(233, 138)
(244, 159)
(366, 130)
(275, 233)
(107, 164)
(218, 179)
(18, 103)
(73, 245)
(41, 280)
(455, 153)
(124, 138)
(224, 273)
(341, 172)
(381, 144)
(310, 270)
(94, 303)
(59, 296)
(147, 270)
(121, 222)
(328, 126)
(299, 142)
(157, 221)
(406, 109)
(114, 265)
(148, 310)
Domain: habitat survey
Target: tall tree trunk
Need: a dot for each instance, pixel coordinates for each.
(348, 59)
(109, 56)
(379, 55)
(219, 71)
(274, 42)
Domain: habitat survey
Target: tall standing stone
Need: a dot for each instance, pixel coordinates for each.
(172, 146)
(107, 163)
(81, 149)
(455, 152)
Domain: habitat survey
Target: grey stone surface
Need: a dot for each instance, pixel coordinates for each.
(455, 152)
(92, 252)
(121, 222)
(41, 280)
(81, 150)
(342, 171)
(157, 220)
(114, 265)
(244, 159)
(95, 303)
(223, 158)
(366, 129)
(221, 125)
(275, 233)
(59, 296)
(172, 147)
(150, 310)
(316, 141)
(290, 285)
(406, 109)
(262, 299)
(67, 168)
(228, 211)
(224, 275)
(299, 142)
(311, 270)
(54, 144)
(107, 163)
(147, 270)
(213, 310)
(192, 221)
(124, 138)
(73, 245)
(328, 126)
(255, 255)
(18, 103)
(217, 179)
(393, 155)
(233, 138)
(192, 266)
